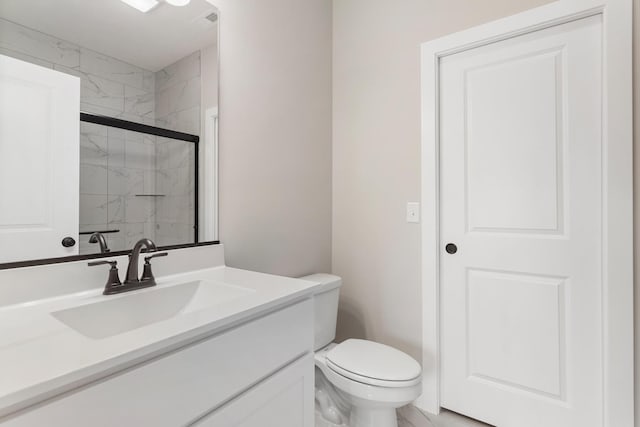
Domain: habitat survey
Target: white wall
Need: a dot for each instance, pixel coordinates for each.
(209, 71)
(636, 140)
(275, 134)
(376, 155)
(209, 104)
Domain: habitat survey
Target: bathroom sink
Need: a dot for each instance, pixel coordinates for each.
(126, 312)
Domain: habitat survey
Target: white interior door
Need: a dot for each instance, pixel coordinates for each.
(39, 161)
(521, 198)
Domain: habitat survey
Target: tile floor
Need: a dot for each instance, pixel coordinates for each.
(410, 416)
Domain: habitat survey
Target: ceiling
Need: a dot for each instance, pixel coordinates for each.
(149, 40)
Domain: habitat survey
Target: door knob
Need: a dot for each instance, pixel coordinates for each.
(68, 242)
(451, 248)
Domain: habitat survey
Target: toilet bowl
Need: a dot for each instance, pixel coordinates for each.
(359, 383)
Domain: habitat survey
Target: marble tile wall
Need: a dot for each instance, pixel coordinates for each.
(178, 104)
(175, 179)
(109, 86)
(177, 101)
(115, 165)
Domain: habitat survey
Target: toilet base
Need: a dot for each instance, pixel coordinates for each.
(373, 417)
(339, 398)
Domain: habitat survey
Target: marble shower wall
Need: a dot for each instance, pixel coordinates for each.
(115, 164)
(117, 167)
(175, 210)
(177, 95)
(178, 105)
(109, 86)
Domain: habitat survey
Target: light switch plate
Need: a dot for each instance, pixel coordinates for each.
(413, 212)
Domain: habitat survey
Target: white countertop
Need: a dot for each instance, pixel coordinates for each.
(40, 356)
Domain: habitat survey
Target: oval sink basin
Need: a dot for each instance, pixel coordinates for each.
(126, 312)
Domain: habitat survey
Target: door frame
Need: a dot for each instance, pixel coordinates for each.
(617, 169)
(209, 177)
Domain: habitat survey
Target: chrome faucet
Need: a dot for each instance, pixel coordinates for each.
(99, 238)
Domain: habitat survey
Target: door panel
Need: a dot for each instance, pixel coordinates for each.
(515, 186)
(514, 345)
(521, 182)
(39, 161)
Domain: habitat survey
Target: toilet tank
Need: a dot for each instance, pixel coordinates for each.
(325, 303)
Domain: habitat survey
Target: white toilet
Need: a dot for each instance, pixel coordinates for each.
(359, 383)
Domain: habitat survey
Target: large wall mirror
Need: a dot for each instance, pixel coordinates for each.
(108, 126)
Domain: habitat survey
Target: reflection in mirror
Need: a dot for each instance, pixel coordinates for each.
(147, 183)
(151, 171)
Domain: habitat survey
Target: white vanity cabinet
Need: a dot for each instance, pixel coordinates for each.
(285, 399)
(257, 373)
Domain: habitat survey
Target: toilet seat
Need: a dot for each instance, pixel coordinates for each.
(361, 392)
(373, 363)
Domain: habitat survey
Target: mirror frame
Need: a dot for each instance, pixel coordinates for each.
(72, 258)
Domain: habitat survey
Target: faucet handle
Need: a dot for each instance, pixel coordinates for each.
(147, 275)
(155, 255)
(113, 281)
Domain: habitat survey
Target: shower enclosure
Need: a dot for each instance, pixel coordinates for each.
(136, 181)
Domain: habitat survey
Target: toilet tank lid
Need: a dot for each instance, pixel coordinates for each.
(328, 281)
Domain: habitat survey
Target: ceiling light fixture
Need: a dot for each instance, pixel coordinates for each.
(178, 2)
(142, 5)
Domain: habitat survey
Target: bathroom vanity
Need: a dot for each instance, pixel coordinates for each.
(209, 345)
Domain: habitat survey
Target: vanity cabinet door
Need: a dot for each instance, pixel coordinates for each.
(283, 400)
